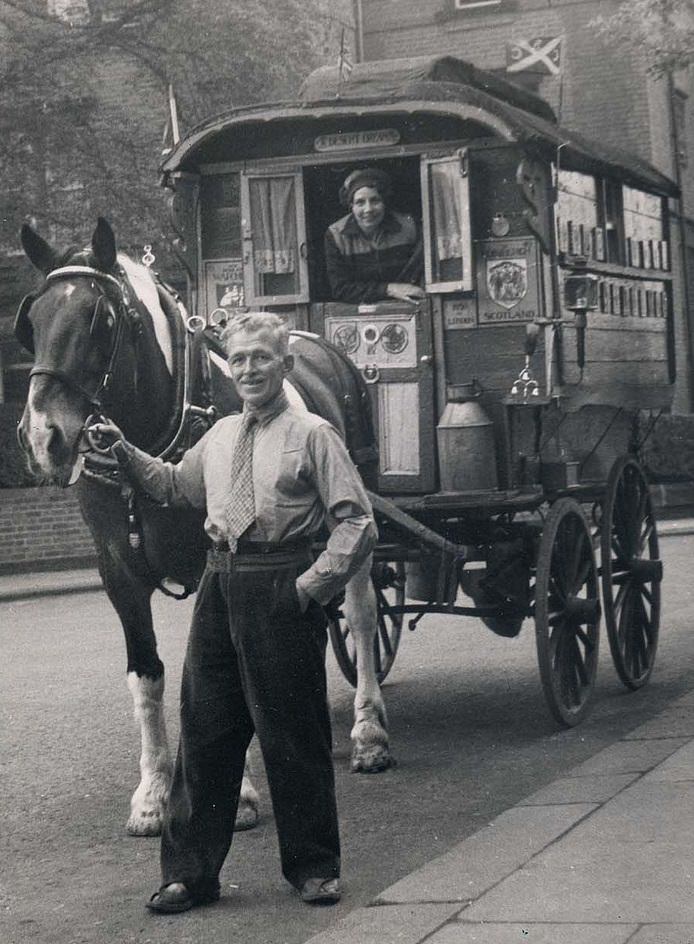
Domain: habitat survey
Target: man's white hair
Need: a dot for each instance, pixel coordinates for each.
(248, 321)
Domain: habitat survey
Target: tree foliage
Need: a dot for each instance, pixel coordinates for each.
(660, 32)
(83, 95)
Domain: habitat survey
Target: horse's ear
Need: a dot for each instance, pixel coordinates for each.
(40, 254)
(104, 245)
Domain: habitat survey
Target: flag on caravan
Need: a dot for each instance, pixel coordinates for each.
(344, 62)
(172, 134)
(541, 54)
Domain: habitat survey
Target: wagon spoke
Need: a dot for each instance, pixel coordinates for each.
(556, 591)
(619, 599)
(577, 552)
(554, 619)
(585, 639)
(579, 663)
(646, 535)
(383, 632)
(584, 572)
(644, 621)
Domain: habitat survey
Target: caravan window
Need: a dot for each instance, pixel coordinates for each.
(448, 252)
(274, 238)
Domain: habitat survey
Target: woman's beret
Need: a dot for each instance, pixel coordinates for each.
(365, 177)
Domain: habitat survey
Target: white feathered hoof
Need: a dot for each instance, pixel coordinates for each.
(371, 760)
(144, 823)
(371, 755)
(147, 806)
(249, 803)
(246, 815)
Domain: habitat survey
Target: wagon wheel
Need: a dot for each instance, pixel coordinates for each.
(389, 584)
(631, 572)
(567, 612)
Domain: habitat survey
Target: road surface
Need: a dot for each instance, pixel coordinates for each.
(469, 729)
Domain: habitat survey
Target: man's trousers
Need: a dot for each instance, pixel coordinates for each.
(254, 664)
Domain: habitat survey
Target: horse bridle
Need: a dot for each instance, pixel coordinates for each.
(123, 313)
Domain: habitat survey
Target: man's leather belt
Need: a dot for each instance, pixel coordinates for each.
(257, 555)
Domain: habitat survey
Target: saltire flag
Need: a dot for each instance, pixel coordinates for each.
(541, 54)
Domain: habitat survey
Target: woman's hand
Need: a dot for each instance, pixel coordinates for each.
(404, 292)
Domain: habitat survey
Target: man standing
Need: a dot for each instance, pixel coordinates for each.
(270, 479)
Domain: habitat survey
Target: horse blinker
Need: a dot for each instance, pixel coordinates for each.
(103, 327)
(23, 329)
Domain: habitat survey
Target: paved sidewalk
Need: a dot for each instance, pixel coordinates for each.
(46, 583)
(604, 855)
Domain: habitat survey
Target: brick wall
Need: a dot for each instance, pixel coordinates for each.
(41, 529)
(602, 92)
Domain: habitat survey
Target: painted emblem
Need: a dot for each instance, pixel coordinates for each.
(507, 281)
(346, 338)
(394, 338)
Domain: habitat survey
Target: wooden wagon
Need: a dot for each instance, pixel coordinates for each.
(511, 403)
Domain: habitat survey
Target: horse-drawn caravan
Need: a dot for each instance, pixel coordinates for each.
(508, 396)
(507, 401)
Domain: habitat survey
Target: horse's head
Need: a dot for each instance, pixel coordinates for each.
(72, 327)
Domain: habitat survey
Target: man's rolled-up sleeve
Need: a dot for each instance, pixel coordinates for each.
(352, 530)
(181, 485)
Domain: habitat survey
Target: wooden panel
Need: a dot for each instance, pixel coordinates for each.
(398, 434)
(621, 346)
(636, 374)
(391, 344)
(603, 322)
(493, 355)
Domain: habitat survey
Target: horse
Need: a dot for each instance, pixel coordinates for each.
(110, 339)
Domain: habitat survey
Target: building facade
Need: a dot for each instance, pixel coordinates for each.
(596, 87)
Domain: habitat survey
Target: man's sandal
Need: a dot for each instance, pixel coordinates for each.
(321, 891)
(175, 898)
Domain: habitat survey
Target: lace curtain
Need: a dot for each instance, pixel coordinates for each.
(273, 223)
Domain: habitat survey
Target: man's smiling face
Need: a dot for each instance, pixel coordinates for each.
(257, 365)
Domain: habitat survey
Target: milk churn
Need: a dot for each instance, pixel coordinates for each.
(467, 457)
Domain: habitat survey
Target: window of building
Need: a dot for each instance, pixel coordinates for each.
(475, 4)
(73, 12)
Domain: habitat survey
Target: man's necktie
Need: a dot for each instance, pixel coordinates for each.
(240, 511)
